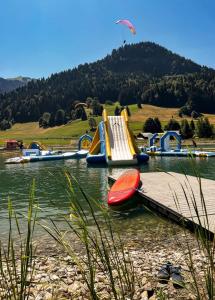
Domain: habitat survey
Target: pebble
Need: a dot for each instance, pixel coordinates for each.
(191, 297)
(148, 286)
(47, 296)
(144, 280)
(54, 277)
(144, 296)
(58, 277)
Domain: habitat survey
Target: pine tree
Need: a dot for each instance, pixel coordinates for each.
(117, 111)
(41, 122)
(84, 115)
(121, 109)
(192, 125)
(172, 125)
(150, 126)
(128, 111)
(195, 115)
(73, 114)
(158, 125)
(96, 109)
(101, 108)
(203, 128)
(59, 117)
(208, 128)
(139, 104)
(185, 130)
(52, 120)
(78, 112)
(5, 124)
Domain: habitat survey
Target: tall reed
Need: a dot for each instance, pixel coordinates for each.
(16, 254)
(104, 249)
(205, 240)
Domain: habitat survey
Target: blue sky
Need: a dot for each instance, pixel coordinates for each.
(40, 37)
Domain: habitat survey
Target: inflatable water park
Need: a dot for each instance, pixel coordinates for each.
(114, 144)
(37, 152)
(164, 146)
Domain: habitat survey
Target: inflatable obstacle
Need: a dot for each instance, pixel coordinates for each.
(114, 144)
(164, 148)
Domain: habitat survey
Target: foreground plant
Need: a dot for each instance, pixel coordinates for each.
(16, 256)
(104, 250)
(105, 257)
(205, 288)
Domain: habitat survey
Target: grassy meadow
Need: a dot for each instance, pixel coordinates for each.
(66, 135)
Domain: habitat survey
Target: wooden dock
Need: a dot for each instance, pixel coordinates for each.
(165, 193)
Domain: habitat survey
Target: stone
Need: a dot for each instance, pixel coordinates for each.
(75, 288)
(104, 296)
(40, 296)
(144, 296)
(100, 278)
(144, 280)
(191, 297)
(48, 296)
(148, 286)
(49, 290)
(63, 289)
(54, 277)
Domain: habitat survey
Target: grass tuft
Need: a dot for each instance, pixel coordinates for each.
(104, 249)
(16, 255)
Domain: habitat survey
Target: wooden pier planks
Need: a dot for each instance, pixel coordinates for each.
(159, 190)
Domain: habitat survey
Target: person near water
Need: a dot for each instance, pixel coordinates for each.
(20, 144)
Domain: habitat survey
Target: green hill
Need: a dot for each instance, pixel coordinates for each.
(148, 58)
(68, 134)
(136, 73)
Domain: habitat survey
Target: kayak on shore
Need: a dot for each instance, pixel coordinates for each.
(121, 194)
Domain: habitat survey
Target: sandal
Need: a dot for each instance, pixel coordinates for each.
(164, 272)
(177, 278)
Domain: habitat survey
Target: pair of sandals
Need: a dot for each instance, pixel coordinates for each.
(168, 270)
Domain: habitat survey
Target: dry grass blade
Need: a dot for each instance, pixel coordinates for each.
(205, 288)
(16, 257)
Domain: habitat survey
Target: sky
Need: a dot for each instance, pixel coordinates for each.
(41, 37)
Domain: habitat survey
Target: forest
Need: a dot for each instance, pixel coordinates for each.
(137, 73)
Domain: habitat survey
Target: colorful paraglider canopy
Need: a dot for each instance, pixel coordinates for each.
(128, 24)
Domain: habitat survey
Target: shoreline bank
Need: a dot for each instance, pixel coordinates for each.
(57, 276)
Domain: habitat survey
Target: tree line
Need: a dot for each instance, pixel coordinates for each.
(201, 128)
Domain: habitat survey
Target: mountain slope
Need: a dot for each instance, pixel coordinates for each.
(144, 72)
(10, 84)
(149, 58)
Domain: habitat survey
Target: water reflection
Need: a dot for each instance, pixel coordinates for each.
(15, 182)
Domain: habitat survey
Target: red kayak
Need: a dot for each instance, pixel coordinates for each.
(124, 188)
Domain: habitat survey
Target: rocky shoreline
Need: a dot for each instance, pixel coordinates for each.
(57, 276)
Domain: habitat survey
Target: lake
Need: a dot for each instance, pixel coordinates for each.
(15, 182)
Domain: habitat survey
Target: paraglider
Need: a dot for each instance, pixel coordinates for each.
(128, 24)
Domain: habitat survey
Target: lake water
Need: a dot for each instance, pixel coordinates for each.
(15, 182)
